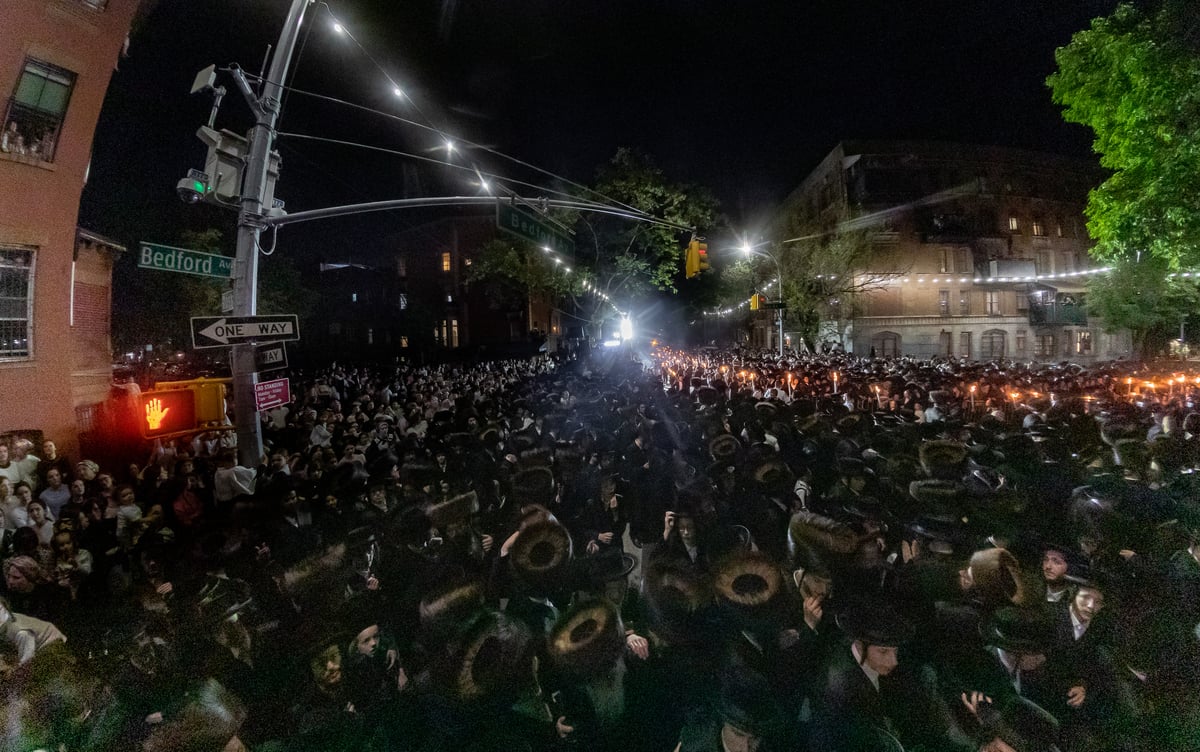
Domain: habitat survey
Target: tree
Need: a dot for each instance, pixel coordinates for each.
(1134, 78)
(1140, 296)
(621, 258)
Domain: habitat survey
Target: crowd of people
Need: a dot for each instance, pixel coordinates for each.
(702, 551)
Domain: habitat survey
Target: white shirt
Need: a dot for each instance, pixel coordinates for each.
(1010, 664)
(1077, 626)
(872, 674)
(1055, 597)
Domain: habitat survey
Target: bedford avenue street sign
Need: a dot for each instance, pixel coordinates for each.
(529, 227)
(168, 259)
(219, 331)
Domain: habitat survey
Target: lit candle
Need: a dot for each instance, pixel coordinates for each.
(1129, 383)
(972, 397)
(835, 382)
(789, 384)
(878, 398)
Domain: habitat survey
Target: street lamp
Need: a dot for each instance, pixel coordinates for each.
(748, 250)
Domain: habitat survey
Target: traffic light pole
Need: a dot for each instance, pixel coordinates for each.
(250, 223)
(779, 276)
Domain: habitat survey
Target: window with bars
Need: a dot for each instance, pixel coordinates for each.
(16, 303)
(36, 111)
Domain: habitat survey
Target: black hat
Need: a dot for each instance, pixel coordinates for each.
(450, 605)
(607, 566)
(938, 494)
(943, 459)
(875, 624)
(588, 639)
(724, 447)
(997, 577)
(454, 511)
(676, 597)
(1019, 629)
(495, 658)
(748, 704)
(541, 554)
(748, 580)
(942, 533)
(774, 473)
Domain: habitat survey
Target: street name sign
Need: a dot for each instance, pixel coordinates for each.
(270, 357)
(219, 331)
(528, 226)
(268, 394)
(775, 306)
(169, 259)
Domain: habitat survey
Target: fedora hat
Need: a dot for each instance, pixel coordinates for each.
(676, 598)
(773, 473)
(588, 639)
(997, 577)
(1020, 629)
(875, 625)
(607, 566)
(541, 554)
(450, 605)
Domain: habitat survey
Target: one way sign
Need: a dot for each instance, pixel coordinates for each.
(219, 331)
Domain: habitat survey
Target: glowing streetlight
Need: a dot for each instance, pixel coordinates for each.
(396, 90)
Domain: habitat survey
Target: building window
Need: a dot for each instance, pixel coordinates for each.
(1014, 224)
(1044, 346)
(946, 344)
(403, 302)
(1042, 263)
(1022, 302)
(964, 344)
(446, 261)
(947, 264)
(964, 303)
(1039, 228)
(36, 111)
(993, 303)
(453, 342)
(16, 303)
(1021, 341)
(962, 262)
(449, 298)
(402, 266)
(1083, 342)
(991, 344)
(353, 297)
(404, 340)
(1058, 231)
(944, 302)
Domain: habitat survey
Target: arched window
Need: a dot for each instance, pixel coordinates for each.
(992, 344)
(886, 344)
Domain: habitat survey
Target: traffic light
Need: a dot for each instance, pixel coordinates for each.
(692, 259)
(168, 412)
(702, 250)
(209, 399)
(755, 302)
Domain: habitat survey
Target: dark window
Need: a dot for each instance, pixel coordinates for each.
(16, 302)
(36, 111)
(991, 344)
(944, 302)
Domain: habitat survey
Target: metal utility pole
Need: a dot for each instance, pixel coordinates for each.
(250, 223)
(779, 272)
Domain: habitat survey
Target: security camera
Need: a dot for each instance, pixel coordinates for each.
(192, 188)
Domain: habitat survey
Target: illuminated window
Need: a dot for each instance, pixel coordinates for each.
(993, 303)
(402, 266)
(453, 333)
(404, 340)
(403, 302)
(1039, 229)
(36, 111)
(446, 261)
(1083, 342)
(1014, 224)
(16, 303)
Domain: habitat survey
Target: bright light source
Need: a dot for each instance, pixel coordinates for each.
(746, 248)
(397, 91)
(558, 261)
(612, 343)
(626, 329)
(567, 270)
(484, 185)
(339, 28)
(449, 146)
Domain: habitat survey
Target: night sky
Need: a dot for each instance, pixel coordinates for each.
(742, 96)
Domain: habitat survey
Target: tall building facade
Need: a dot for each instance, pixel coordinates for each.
(56, 59)
(976, 252)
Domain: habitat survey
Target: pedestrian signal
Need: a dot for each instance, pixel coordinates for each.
(167, 413)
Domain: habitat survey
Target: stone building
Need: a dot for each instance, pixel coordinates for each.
(977, 252)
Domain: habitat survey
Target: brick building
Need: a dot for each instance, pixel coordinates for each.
(56, 59)
(978, 252)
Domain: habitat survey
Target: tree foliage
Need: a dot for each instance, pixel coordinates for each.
(1140, 296)
(623, 258)
(1134, 78)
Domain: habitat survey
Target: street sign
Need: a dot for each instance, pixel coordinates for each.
(776, 306)
(270, 357)
(268, 394)
(227, 301)
(169, 259)
(219, 331)
(528, 226)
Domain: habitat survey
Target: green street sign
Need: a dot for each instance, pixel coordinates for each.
(529, 227)
(168, 259)
(776, 306)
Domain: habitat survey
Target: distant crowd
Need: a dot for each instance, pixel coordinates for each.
(717, 551)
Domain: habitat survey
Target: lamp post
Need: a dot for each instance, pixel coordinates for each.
(747, 249)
